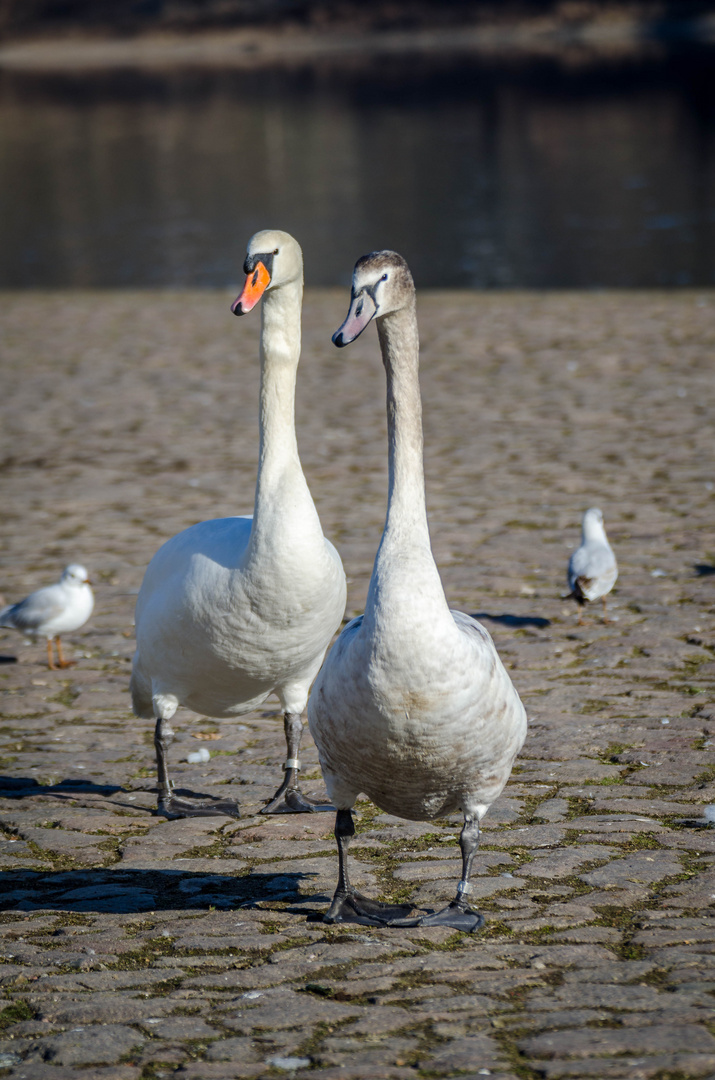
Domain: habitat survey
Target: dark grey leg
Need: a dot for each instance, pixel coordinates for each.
(349, 905)
(169, 805)
(289, 799)
(458, 914)
(163, 738)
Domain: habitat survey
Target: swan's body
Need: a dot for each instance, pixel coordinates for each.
(235, 609)
(54, 610)
(592, 570)
(413, 706)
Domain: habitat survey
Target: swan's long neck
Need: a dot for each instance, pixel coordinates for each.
(283, 503)
(404, 566)
(406, 521)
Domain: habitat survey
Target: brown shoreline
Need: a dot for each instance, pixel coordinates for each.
(621, 34)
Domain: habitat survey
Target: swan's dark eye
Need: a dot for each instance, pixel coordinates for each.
(384, 277)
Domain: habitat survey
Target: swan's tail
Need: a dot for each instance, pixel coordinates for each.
(140, 689)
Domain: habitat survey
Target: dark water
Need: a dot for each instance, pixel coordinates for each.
(481, 173)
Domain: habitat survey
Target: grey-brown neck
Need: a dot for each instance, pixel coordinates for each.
(406, 510)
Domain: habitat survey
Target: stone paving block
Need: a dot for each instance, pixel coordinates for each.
(589, 1042)
(219, 1070)
(285, 1008)
(640, 869)
(467, 1054)
(178, 1027)
(86, 1046)
(378, 1019)
(631, 1068)
(115, 1007)
(698, 892)
(552, 865)
(594, 996)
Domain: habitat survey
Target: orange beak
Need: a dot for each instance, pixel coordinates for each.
(256, 284)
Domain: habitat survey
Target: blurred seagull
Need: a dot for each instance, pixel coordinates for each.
(54, 610)
(592, 571)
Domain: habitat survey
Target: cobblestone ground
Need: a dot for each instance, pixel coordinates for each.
(133, 947)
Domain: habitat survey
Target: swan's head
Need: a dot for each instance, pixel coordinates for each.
(273, 258)
(382, 283)
(75, 574)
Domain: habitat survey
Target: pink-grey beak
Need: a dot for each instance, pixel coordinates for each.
(362, 309)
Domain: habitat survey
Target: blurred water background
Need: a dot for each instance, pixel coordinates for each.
(483, 171)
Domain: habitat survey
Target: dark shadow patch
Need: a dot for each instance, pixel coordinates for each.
(21, 787)
(8, 659)
(703, 569)
(515, 621)
(125, 892)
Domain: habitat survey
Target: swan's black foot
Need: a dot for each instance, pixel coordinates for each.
(173, 807)
(291, 800)
(458, 917)
(356, 908)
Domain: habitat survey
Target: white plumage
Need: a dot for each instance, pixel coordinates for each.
(592, 570)
(234, 609)
(413, 706)
(53, 610)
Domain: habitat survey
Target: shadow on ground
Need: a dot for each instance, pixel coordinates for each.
(21, 787)
(703, 569)
(126, 892)
(513, 620)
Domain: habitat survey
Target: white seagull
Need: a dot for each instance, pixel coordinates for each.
(413, 706)
(234, 609)
(592, 570)
(53, 610)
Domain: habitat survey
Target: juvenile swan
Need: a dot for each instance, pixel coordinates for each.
(413, 706)
(53, 610)
(592, 571)
(233, 609)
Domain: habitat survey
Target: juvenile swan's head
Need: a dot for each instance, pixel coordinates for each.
(382, 283)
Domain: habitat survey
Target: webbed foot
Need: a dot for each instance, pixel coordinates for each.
(457, 917)
(353, 907)
(291, 800)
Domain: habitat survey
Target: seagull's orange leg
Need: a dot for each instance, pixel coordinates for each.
(62, 662)
(50, 657)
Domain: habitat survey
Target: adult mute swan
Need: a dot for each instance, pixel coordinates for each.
(592, 570)
(412, 706)
(233, 609)
(53, 610)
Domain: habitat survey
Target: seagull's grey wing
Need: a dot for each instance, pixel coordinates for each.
(32, 613)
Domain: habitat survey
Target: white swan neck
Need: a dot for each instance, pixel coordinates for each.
(282, 496)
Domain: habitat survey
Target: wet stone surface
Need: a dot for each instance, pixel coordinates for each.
(133, 948)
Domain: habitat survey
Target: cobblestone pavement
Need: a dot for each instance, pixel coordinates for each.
(133, 947)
